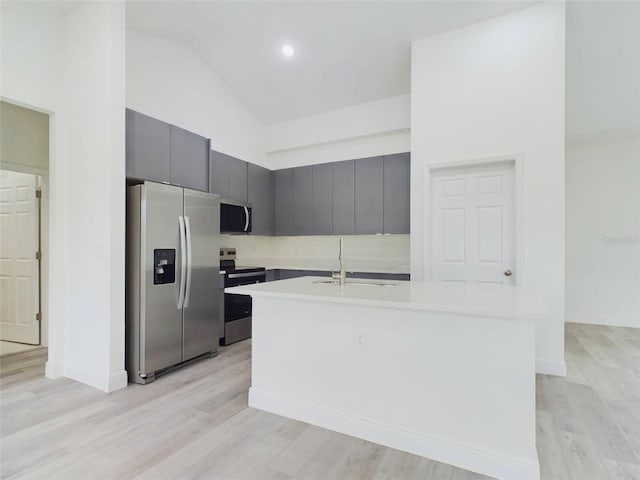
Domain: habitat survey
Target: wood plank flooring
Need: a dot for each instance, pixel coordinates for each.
(195, 424)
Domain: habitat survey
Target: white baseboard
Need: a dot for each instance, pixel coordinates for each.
(107, 384)
(477, 460)
(53, 370)
(609, 320)
(551, 367)
(118, 381)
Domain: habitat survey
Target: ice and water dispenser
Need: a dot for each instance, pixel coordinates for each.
(164, 261)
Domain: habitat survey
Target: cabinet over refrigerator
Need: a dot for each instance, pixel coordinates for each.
(172, 263)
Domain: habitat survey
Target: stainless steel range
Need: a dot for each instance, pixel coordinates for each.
(237, 308)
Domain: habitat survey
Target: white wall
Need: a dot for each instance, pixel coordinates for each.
(70, 63)
(495, 88)
(95, 80)
(364, 130)
(24, 138)
(603, 71)
(603, 232)
(603, 163)
(167, 80)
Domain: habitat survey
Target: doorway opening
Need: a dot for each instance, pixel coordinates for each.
(20, 261)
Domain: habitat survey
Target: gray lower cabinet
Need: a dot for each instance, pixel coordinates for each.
(283, 201)
(322, 215)
(228, 177)
(148, 148)
(272, 275)
(302, 201)
(397, 174)
(260, 191)
(343, 198)
(189, 159)
(369, 195)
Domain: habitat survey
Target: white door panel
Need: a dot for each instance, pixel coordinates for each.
(473, 235)
(18, 265)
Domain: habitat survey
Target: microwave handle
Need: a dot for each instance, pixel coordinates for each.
(246, 221)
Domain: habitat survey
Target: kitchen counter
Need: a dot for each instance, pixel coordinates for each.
(442, 371)
(481, 300)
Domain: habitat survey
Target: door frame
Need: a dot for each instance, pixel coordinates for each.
(517, 161)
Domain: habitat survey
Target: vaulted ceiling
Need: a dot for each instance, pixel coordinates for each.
(347, 52)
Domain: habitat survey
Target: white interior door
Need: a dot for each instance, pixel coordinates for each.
(19, 285)
(473, 225)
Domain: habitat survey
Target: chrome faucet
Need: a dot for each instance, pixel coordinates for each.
(341, 276)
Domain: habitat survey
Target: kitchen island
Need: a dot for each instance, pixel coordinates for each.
(442, 371)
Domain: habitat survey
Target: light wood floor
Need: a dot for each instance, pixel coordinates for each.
(195, 423)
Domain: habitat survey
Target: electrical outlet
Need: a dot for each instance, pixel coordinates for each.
(360, 340)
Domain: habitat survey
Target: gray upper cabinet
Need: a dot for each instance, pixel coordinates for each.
(228, 177)
(189, 159)
(397, 173)
(148, 148)
(283, 201)
(322, 199)
(238, 180)
(369, 184)
(260, 196)
(302, 201)
(219, 174)
(343, 198)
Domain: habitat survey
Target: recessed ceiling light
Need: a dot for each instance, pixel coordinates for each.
(288, 51)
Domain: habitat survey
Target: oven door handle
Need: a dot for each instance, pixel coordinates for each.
(245, 275)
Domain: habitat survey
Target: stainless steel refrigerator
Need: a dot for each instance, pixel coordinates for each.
(173, 266)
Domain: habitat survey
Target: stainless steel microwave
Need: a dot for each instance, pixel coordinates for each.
(234, 217)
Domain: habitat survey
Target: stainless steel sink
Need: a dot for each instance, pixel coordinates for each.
(356, 282)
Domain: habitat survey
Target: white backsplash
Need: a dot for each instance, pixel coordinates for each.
(363, 253)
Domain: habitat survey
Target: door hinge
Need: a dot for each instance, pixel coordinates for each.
(38, 256)
(38, 317)
(38, 193)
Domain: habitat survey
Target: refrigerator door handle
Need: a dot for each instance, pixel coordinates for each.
(187, 288)
(183, 262)
(246, 216)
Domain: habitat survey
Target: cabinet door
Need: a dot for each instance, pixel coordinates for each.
(396, 192)
(148, 148)
(343, 197)
(369, 195)
(219, 174)
(189, 159)
(283, 200)
(303, 200)
(260, 196)
(322, 199)
(237, 180)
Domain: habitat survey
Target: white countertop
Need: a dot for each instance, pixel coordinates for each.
(481, 300)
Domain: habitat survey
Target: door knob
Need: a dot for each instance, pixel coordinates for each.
(508, 273)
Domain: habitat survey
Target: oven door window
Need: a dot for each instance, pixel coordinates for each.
(236, 306)
(239, 306)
